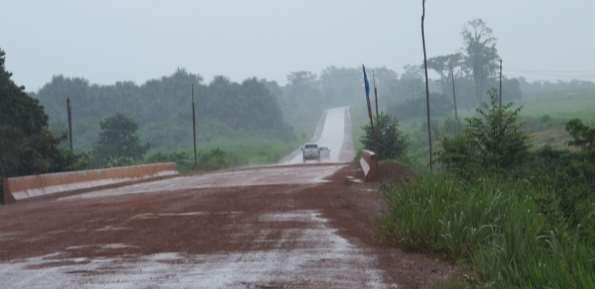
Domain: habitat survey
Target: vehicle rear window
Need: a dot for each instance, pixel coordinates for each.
(311, 146)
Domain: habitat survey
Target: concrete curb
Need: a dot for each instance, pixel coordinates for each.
(53, 184)
(369, 165)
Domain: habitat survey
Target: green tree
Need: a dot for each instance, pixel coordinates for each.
(582, 135)
(385, 139)
(26, 144)
(492, 140)
(481, 55)
(161, 108)
(118, 141)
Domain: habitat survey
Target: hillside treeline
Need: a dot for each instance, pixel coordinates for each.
(401, 95)
(473, 70)
(163, 111)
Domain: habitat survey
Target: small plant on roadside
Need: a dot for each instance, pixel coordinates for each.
(385, 138)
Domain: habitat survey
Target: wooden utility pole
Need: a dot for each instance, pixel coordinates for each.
(423, 39)
(194, 128)
(500, 94)
(375, 94)
(454, 94)
(69, 112)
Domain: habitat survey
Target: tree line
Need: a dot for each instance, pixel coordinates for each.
(162, 109)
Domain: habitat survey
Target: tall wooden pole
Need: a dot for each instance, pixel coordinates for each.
(423, 39)
(69, 112)
(194, 128)
(500, 94)
(375, 94)
(454, 94)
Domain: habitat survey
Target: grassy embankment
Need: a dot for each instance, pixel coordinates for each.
(496, 229)
(527, 230)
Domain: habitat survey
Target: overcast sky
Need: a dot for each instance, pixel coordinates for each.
(109, 40)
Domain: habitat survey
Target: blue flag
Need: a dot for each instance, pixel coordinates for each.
(366, 82)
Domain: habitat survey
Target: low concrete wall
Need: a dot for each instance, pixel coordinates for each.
(369, 165)
(28, 187)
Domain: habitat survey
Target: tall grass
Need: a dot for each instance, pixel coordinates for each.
(497, 227)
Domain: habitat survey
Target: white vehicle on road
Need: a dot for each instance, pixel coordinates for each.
(311, 151)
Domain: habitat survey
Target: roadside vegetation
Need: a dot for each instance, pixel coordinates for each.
(512, 215)
(120, 145)
(162, 109)
(225, 155)
(511, 198)
(26, 143)
(384, 138)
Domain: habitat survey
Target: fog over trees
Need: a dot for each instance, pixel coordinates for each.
(265, 109)
(162, 108)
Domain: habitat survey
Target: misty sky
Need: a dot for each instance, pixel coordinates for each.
(109, 40)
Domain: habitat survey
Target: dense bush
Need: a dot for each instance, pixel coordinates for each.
(26, 144)
(385, 138)
(118, 143)
(518, 218)
(582, 135)
(493, 140)
(572, 173)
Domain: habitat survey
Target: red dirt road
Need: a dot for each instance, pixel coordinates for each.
(306, 235)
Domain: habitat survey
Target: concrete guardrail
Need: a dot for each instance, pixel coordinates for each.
(369, 165)
(44, 185)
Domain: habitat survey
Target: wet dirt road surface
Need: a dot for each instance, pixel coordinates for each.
(274, 227)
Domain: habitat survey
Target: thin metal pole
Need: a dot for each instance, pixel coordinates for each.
(423, 38)
(194, 128)
(500, 94)
(69, 112)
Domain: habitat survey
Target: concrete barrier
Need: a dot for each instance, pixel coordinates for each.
(37, 186)
(369, 165)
